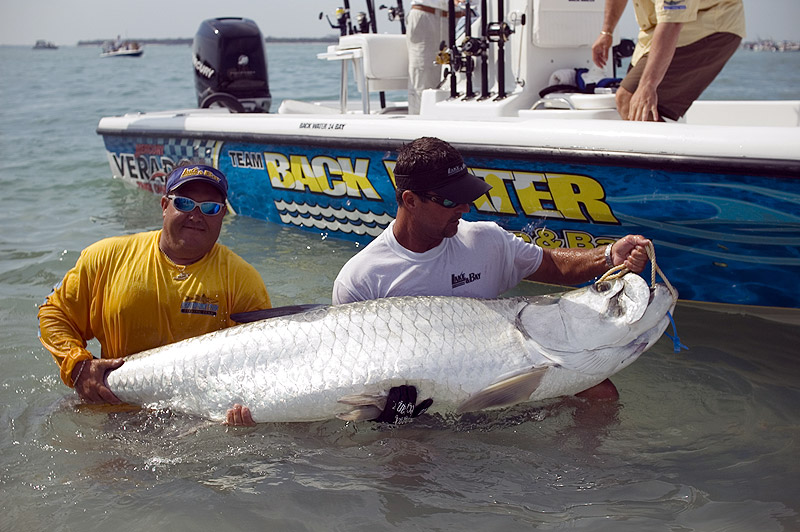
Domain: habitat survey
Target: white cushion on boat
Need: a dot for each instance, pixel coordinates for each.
(385, 58)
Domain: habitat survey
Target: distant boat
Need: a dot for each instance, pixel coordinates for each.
(41, 44)
(121, 49)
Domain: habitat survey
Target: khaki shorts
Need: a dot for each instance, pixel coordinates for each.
(692, 69)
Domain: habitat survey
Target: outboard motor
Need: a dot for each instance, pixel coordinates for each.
(230, 66)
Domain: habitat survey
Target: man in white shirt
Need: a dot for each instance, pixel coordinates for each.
(429, 250)
(426, 28)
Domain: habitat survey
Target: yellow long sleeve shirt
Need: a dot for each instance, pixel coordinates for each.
(126, 293)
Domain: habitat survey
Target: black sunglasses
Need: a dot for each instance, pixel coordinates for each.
(444, 202)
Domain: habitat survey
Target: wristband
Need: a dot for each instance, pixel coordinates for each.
(80, 370)
(607, 254)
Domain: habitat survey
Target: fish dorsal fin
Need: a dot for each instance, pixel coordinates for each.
(506, 392)
(275, 312)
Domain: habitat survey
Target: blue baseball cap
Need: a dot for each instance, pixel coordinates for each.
(197, 172)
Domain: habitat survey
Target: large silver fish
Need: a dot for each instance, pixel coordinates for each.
(466, 354)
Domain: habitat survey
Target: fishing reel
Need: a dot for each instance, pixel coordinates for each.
(395, 13)
(474, 46)
(498, 32)
(362, 23)
(342, 20)
(452, 58)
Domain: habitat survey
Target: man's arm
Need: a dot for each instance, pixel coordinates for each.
(644, 102)
(576, 266)
(613, 12)
(61, 336)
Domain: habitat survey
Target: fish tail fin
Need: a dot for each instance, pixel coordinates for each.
(506, 392)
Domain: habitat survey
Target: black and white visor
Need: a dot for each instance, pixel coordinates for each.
(455, 183)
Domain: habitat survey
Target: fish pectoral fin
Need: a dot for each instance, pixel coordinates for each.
(361, 413)
(364, 399)
(506, 392)
(367, 407)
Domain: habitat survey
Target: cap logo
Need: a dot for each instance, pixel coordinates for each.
(431, 179)
(456, 169)
(192, 172)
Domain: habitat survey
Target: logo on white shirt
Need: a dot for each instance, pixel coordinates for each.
(464, 278)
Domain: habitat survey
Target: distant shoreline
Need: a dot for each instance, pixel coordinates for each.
(188, 41)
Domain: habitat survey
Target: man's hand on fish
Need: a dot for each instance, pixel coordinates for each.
(239, 416)
(631, 250)
(401, 405)
(89, 379)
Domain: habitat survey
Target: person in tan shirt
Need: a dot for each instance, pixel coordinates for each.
(682, 46)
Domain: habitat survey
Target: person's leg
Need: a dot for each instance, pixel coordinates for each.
(691, 71)
(422, 29)
(602, 391)
(623, 99)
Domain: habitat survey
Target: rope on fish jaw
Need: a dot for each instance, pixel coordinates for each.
(619, 271)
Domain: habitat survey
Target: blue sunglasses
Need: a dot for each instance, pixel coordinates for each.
(183, 204)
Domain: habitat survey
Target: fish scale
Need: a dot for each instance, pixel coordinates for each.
(298, 367)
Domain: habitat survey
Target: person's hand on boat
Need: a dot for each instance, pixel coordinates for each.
(631, 250)
(239, 416)
(401, 405)
(643, 106)
(89, 379)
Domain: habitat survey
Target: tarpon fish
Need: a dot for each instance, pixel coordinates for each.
(467, 354)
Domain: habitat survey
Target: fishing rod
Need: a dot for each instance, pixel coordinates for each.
(467, 48)
(484, 50)
(455, 55)
(499, 33)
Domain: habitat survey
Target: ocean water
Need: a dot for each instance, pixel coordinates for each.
(707, 439)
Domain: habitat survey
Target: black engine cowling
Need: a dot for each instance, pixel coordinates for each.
(230, 65)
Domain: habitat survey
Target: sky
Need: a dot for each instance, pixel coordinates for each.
(66, 22)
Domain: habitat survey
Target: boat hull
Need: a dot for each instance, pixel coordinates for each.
(726, 227)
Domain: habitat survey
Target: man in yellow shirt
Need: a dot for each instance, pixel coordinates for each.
(682, 46)
(150, 289)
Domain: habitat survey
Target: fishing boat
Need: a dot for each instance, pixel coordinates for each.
(120, 48)
(41, 44)
(718, 192)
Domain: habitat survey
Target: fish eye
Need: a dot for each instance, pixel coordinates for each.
(604, 286)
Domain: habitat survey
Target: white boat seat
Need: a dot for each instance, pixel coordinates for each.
(380, 63)
(384, 60)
